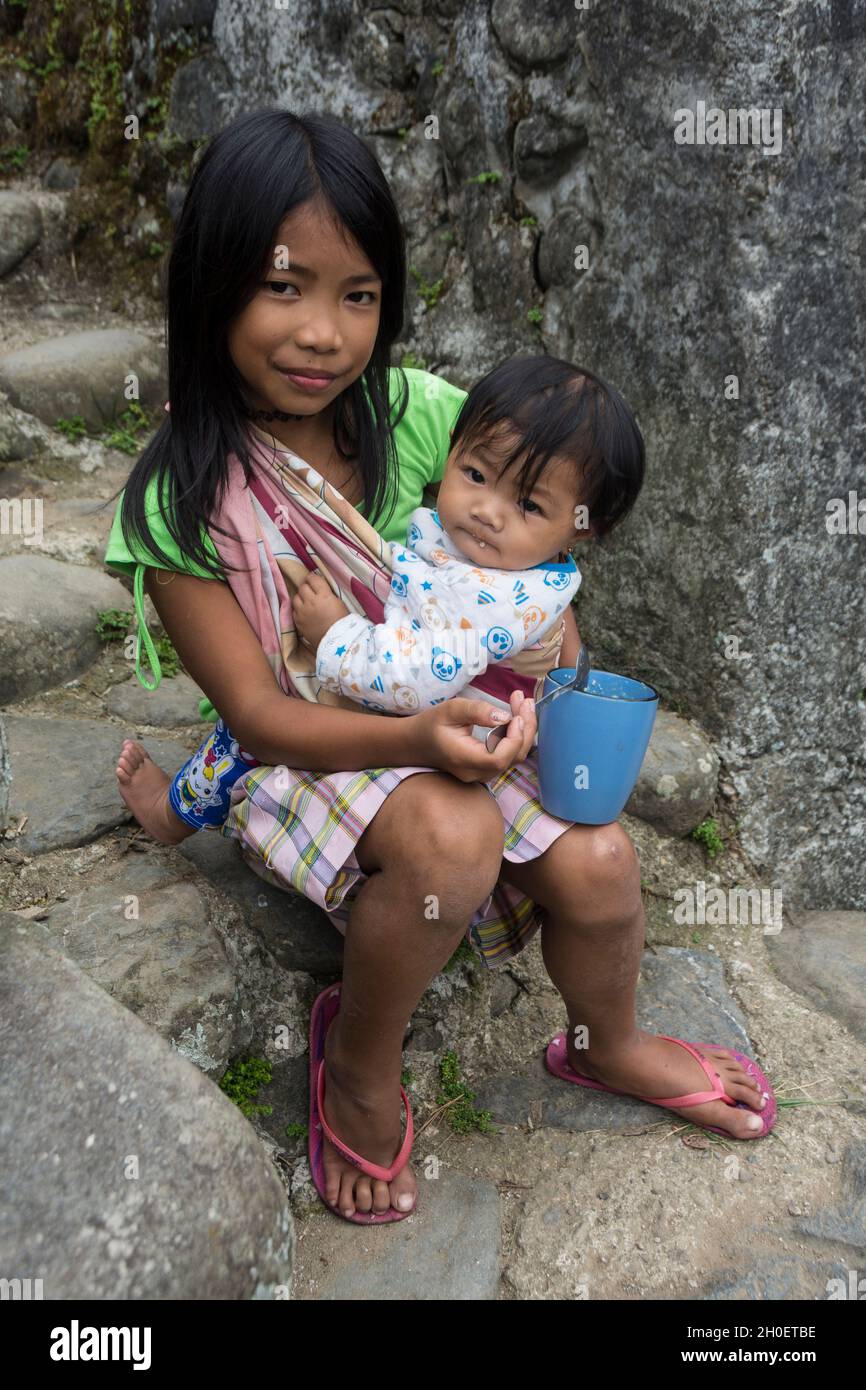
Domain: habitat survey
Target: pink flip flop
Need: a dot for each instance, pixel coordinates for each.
(557, 1062)
(324, 1010)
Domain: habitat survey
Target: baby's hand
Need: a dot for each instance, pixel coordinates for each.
(316, 608)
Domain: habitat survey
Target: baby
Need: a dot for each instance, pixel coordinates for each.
(480, 586)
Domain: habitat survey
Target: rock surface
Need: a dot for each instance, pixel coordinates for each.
(822, 955)
(676, 786)
(127, 1174)
(63, 778)
(48, 615)
(296, 932)
(20, 228)
(174, 702)
(84, 374)
(143, 935)
(448, 1249)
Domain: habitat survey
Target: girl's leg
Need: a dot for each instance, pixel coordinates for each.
(198, 795)
(433, 853)
(589, 882)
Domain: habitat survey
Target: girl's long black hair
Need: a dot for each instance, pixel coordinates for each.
(554, 407)
(249, 177)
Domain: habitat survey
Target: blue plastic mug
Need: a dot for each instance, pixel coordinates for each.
(591, 744)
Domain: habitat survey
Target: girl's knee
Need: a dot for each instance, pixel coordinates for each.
(610, 861)
(459, 844)
(468, 833)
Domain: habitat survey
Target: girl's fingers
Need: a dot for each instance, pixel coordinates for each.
(507, 750)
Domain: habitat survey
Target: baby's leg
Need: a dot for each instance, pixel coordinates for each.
(589, 882)
(199, 795)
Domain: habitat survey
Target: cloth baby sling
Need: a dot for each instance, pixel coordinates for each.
(290, 521)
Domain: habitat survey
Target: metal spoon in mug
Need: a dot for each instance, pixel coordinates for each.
(578, 682)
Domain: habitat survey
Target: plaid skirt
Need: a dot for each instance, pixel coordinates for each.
(298, 831)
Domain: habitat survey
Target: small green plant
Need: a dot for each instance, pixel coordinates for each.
(429, 293)
(155, 249)
(464, 952)
(413, 362)
(438, 68)
(156, 107)
(112, 624)
(296, 1130)
(456, 1096)
(242, 1081)
(122, 434)
(13, 158)
(535, 314)
(707, 834)
(169, 661)
(407, 1077)
(73, 428)
(487, 176)
(529, 221)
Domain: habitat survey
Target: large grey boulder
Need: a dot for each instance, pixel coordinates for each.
(725, 588)
(126, 1173)
(84, 374)
(48, 614)
(64, 779)
(676, 786)
(173, 703)
(144, 933)
(822, 955)
(297, 933)
(196, 101)
(20, 228)
(18, 436)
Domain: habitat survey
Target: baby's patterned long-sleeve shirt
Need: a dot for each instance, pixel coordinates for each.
(445, 620)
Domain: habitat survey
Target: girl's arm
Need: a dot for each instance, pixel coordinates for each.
(224, 657)
(571, 642)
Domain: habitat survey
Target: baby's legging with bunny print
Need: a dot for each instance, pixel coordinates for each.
(201, 791)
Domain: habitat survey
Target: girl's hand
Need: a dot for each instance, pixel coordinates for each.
(442, 737)
(315, 608)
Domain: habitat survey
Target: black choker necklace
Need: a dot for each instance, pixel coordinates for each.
(272, 415)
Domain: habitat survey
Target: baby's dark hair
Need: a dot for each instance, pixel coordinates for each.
(558, 408)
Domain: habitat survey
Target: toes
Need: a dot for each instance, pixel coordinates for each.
(740, 1124)
(363, 1194)
(733, 1071)
(381, 1196)
(744, 1125)
(346, 1199)
(746, 1093)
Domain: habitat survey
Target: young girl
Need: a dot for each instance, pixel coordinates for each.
(303, 340)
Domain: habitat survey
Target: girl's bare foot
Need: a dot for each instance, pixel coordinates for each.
(652, 1066)
(366, 1115)
(144, 788)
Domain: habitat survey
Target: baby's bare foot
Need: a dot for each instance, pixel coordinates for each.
(653, 1066)
(368, 1121)
(144, 788)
